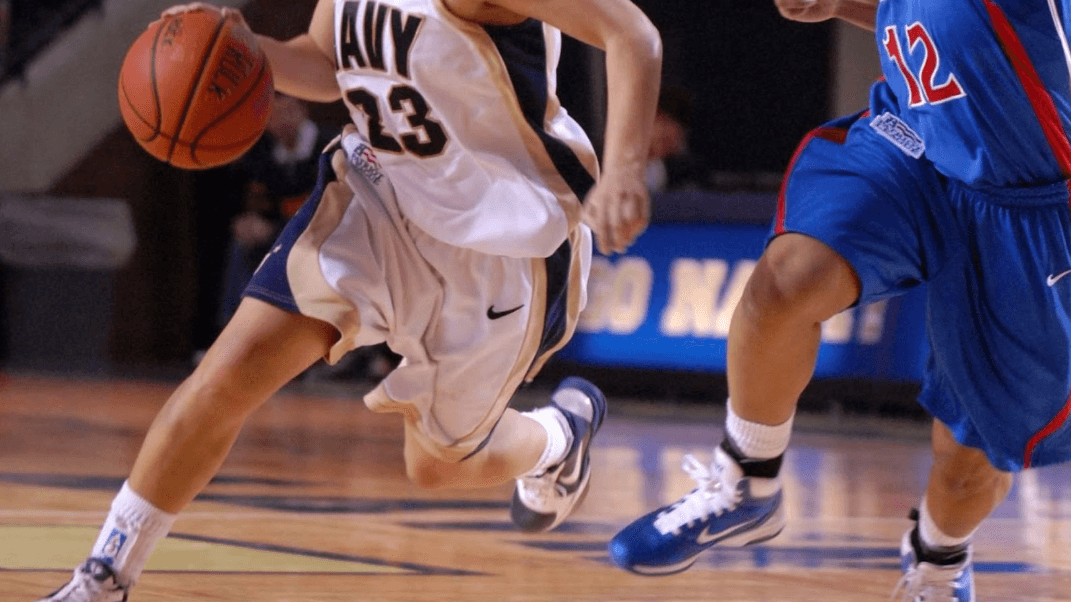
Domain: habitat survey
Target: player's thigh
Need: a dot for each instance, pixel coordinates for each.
(261, 349)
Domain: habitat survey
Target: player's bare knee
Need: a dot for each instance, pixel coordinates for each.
(799, 277)
(424, 474)
(426, 471)
(968, 474)
(963, 471)
(990, 484)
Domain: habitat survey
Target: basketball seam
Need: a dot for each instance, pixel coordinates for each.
(213, 147)
(157, 126)
(130, 106)
(155, 89)
(197, 85)
(234, 107)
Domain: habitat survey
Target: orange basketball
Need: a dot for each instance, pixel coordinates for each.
(195, 89)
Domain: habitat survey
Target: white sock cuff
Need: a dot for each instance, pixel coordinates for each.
(131, 505)
(931, 535)
(559, 438)
(130, 533)
(756, 440)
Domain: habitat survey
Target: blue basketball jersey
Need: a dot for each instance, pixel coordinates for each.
(959, 177)
(984, 84)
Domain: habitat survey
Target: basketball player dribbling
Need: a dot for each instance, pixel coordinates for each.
(957, 176)
(453, 219)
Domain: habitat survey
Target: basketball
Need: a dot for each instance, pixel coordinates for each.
(195, 89)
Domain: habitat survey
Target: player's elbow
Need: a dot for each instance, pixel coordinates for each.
(640, 46)
(644, 39)
(652, 41)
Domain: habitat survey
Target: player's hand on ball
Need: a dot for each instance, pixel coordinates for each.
(807, 11)
(231, 13)
(235, 15)
(178, 9)
(617, 210)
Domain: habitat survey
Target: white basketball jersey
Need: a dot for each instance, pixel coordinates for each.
(465, 121)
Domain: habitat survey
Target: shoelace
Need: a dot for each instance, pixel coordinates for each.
(928, 583)
(710, 496)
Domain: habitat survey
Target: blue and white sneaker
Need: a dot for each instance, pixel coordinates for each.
(93, 581)
(543, 502)
(926, 582)
(725, 509)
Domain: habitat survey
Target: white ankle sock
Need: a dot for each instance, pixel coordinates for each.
(559, 438)
(133, 528)
(755, 440)
(931, 535)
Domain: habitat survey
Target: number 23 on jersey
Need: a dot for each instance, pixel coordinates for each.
(362, 37)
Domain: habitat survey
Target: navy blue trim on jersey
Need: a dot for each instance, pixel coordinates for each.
(270, 283)
(554, 320)
(524, 52)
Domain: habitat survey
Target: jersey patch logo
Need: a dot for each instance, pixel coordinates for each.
(364, 160)
(893, 129)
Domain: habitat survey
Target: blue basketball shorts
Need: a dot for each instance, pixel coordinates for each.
(996, 264)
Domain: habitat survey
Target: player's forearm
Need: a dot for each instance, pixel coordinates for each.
(861, 13)
(632, 63)
(301, 69)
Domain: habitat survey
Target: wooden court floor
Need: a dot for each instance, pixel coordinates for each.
(312, 505)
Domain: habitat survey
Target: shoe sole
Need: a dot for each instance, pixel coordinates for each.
(598, 400)
(748, 537)
(647, 571)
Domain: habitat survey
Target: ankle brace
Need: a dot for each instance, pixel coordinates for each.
(939, 556)
(763, 469)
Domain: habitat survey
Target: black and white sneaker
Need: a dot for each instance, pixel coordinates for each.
(541, 503)
(93, 581)
(927, 581)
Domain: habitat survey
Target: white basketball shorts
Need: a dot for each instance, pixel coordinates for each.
(470, 327)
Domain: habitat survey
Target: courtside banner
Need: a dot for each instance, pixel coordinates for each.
(667, 303)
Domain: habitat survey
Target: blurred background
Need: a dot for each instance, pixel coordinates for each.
(114, 263)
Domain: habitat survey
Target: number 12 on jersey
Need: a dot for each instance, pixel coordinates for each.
(922, 87)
